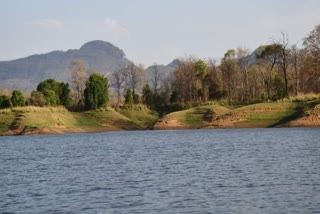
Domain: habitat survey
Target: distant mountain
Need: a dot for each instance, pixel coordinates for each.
(253, 58)
(26, 73)
(163, 69)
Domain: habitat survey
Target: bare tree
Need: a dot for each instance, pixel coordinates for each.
(117, 81)
(134, 77)
(79, 77)
(155, 78)
(269, 58)
(284, 52)
(295, 58)
(312, 60)
(229, 69)
(167, 82)
(243, 60)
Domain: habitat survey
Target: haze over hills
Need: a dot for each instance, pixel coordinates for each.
(26, 73)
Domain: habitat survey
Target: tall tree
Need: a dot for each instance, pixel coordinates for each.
(270, 57)
(283, 55)
(228, 68)
(134, 78)
(185, 81)
(214, 80)
(243, 61)
(96, 91)
(312, 60)
(65, 94)
(79, 76)
(147, 96)
(155, 78)
(201, 74)
(117, 81)
(295, 61)
(312, 41)
(129, 97)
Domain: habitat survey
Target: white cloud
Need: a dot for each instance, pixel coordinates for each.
(47, 24)
(114, 27)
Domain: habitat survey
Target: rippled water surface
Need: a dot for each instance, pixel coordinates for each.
(200, 171)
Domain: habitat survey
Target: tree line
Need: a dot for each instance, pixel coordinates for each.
(272, 72)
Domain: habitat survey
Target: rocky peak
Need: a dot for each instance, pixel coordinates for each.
(102, 46)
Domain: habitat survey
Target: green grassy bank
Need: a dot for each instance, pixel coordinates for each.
(262, 115)
(38, 120)
(51, 120)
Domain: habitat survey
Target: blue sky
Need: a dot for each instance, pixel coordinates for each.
(152, 31)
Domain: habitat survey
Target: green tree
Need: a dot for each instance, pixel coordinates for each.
(201, 72)
(96, 92)
(17, 98)
(5, 102)
(147, 96)
(65, 95)
(55, 93)
(51, 98)
(129, 97)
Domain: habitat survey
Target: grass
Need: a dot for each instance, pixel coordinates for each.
(59, 119)
(262, 115)
(256, 115)
(5, 121)
(138, 117)
(197, 117)
(304, 98)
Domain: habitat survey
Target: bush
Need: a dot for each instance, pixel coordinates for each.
(5, 102)
(17, 98)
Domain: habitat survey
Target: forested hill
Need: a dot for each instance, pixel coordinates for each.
(26, 73)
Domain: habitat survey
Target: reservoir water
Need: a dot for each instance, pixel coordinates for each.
(192, 171)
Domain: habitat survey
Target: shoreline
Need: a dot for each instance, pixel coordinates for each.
(46, 131)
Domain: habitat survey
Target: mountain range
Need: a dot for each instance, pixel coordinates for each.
(26, 73)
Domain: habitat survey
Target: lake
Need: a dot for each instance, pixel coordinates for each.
(191, 171)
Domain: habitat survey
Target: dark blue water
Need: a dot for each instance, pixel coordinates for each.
(200, 171)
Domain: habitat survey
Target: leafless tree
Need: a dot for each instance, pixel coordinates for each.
(135, 76)
(283, 43)
(117, 81)
(243, 60)
(79, 77)
(155, 78)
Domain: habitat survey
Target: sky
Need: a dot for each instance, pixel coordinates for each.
(152, 31)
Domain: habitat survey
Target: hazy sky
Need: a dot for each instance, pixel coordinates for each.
(150, 31)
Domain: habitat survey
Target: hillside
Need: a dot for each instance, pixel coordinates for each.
(26, 73)
(263, 115)
(30, 120)
(193, 118)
